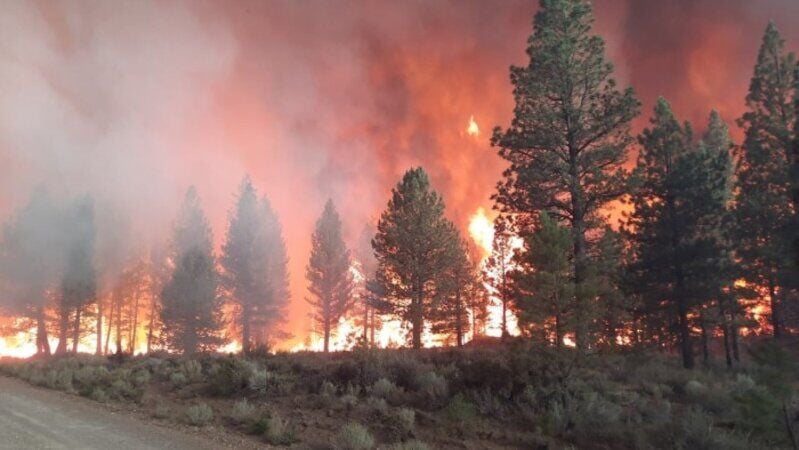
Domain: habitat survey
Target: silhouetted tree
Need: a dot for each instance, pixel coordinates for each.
(414, 245)
(191, 305)
(79, 282)
(763, 202)
(330, 280)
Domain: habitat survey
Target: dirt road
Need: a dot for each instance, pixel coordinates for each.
(36, 418)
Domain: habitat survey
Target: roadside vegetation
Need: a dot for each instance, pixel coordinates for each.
(515, 395)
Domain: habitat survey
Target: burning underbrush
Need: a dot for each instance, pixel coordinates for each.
(512, 395)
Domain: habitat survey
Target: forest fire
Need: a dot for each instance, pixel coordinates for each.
(386, 109)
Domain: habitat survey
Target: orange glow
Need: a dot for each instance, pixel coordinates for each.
(481, 229)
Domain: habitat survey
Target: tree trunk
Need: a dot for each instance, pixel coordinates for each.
(63, 330)
(558, 332)
(705, 351)
(725, 329)
(76, 330)
(776, 317)
(735, 353)
(99, 350)
(372, 327)
(134, 328)
(119, 326)
(110, 323)
(327, 334)
(42, 344)
(246, 330)
(151, 325)
(458, 318)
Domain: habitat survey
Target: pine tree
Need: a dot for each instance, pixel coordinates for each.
(191, 306)
(763, 204)
(680, 208)
(367, 317)
(330, 280)
(543, 280)
(414, 245)
(269, 322)
(451, 317)
(31, 262)
(715, 158)
(250, 246)
(608, 272)
(567, 142)
(498, 268)
(79, 280)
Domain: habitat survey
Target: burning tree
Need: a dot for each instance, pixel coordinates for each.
(328, 272)
(191, 306)
(567, 142)
(414, 246)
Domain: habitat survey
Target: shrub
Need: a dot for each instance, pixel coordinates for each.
(349, 401)
(161, 412)
(178, 379)
(229, 376)
(377, 406)
(405, 418)
(460, 410)
(433, 385)
(353, 436)
(278, 431)
(192, 370)
(99, 395)
(200, 414)
(260, 381)
(382, 388)
(242, 412)
(695, 390)
(327, 389)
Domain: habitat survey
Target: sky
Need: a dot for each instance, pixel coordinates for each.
(134, 101)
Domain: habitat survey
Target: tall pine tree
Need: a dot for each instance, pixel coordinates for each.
(567, 142)
(414, 246)
(249, 247)
(330, 280)
(763, 203)
(451, 317)
(191, 305)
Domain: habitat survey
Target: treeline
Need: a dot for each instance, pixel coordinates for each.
(710, 226)
(184, 298)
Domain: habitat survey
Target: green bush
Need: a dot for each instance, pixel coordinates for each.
(354, 436)
(278, 431)
(242, 412)
(382, 388)
(433, 385)
(230, 375)
(199, 415)
(405, 419)
(460, 410)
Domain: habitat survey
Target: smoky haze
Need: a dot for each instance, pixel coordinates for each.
(133, 102)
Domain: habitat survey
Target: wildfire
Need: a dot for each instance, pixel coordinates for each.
(472, 129)
(481, 230)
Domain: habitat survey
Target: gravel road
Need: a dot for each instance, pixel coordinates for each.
(35, 418)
